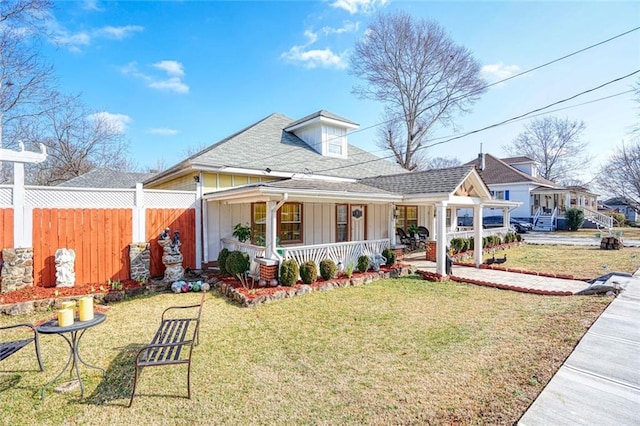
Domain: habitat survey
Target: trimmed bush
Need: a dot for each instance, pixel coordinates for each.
(619, 219)
(289, 271)
(457, 244)
(328, 269)
(390, 255)
(363, 263)
(518, 237)
(222, 260)
(575, 219)
(237, 263)
(309, 272)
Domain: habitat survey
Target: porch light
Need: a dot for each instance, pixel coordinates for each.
(396, 213)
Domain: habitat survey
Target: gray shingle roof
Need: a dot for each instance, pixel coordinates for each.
(106, 178)
(496, 171)
(266, 145)
(436, 181)
(516, 160)
(321, 113)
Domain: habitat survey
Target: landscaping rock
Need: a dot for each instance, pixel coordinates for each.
(20, 308)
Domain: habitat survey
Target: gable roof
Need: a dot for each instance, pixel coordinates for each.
(497, 171)
(518, 160)
(435, 181)
(106, 178)
(266, 145)
(321, 113)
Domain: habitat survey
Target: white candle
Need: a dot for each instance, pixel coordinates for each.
(86, 308)
(68, 305)
(65, 317)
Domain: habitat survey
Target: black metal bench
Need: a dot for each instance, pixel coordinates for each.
(172, 344)
(10, 347)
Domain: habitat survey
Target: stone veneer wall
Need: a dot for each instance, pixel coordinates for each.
(139, 261)
(17, 269)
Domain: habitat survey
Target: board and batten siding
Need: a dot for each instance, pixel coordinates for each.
(319, 223)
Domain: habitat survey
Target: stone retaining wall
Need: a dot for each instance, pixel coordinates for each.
(17, 269)
(139, 261)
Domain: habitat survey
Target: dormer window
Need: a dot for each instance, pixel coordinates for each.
(335, 141)
(325, 132)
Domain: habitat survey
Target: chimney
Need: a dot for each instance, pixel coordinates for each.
(480, 164)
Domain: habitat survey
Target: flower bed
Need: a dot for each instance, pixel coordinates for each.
(233, 289)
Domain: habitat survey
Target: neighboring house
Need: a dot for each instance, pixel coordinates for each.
(542, 201)
(622, 205)
(307, 194)
(106, 178)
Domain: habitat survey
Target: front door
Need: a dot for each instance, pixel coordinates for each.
(357, 222)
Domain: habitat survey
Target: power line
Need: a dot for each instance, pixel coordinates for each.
(501, 123)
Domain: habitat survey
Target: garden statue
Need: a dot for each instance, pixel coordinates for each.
(171, 256)
(65, 273)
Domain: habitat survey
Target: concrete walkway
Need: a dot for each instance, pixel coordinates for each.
(599, 384)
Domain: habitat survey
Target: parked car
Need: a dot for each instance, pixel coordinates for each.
(521, 226)
(497, 222)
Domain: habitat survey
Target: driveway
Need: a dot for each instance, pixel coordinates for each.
(552, 238)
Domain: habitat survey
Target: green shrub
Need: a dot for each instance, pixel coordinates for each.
(350, 268)
(518, 237)
(328, 269)
(363, 263)
(456, 244)
(575, 219)
(619, 219)
(237, 264)
(222, 260)
(289, 271)
(486, 242)
(470, 244)
(309, 272)
(390, 255)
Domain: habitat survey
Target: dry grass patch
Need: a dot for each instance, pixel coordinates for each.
(579, 261)
(394, 351)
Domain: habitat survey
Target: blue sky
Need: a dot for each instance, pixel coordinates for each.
(179, 75)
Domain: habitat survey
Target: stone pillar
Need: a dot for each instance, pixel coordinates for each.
(139, 261)
(399, 251)
(65, 267)
(17, 269)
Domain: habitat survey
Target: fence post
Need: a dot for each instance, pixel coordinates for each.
(139, 216)
(199, 221)
(21, 238)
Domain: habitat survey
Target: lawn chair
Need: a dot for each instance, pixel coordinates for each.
(423, 233)
(404, 238)
(8, 348)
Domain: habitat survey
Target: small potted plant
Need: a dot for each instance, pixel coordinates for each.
(242, 232)
(413, 230)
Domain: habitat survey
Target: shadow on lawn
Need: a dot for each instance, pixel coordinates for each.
(118, 380)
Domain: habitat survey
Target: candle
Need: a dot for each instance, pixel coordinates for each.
(65, 317)
(86, 308)
(68, 305)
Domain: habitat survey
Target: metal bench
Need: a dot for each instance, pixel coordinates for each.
(172, 344)
(10, 347)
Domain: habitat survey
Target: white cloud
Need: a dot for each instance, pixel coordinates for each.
(92, 5)
(117, 122)
(171, 67)
(314, 58)
(358, 6)
(163, 131)
(119, 33)
(347, 27)
(172, 82)
(499, 71)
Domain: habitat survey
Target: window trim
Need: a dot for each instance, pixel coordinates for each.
(279, 223)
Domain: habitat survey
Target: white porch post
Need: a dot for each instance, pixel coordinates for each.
(19, 239)
(505, 216)
(392, 225)
(441, 238)
(271, 226)
(432, 223)
(477, 235)
(567, 201)
(199, 221)
(454, 219)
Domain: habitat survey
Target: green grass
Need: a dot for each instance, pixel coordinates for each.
(394, 351)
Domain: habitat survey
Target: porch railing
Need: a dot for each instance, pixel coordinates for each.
(485, 233)
(341, 253)
(596, 217)
(252, 250)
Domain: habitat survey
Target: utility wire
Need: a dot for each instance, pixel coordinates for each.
(501, 123)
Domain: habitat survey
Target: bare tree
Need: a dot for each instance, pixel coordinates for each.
(620, 175)
(423, 78)
(555, 144)
(77, 140)
(442, 163)
(24, 75)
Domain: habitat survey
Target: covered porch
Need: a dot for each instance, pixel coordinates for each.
(550, 204)
(309, 219)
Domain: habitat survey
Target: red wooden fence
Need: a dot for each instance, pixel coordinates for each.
(6, 229)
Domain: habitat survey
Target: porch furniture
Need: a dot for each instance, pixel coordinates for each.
(404, 238)
(10, 347)
(172, 344)
(423, 232)
(75, 331)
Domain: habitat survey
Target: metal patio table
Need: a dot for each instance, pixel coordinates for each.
(75, 333)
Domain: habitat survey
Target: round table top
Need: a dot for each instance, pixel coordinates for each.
(52, 327)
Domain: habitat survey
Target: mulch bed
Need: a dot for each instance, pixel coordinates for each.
(39, 293)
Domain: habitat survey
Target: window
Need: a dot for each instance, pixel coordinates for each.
(335, 140)
(498, 195)
(289, 222)
(342, 223)
(407, 215)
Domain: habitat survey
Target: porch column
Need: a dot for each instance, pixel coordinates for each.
(567, 201)
(477, 235)
(392, 225)
(431, 223)
(441, 238)
(270, 231)
(454, 219)
(505, 216)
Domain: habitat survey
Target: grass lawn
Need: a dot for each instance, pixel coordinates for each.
(627, 232)
(394, 351)
(579, 261)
